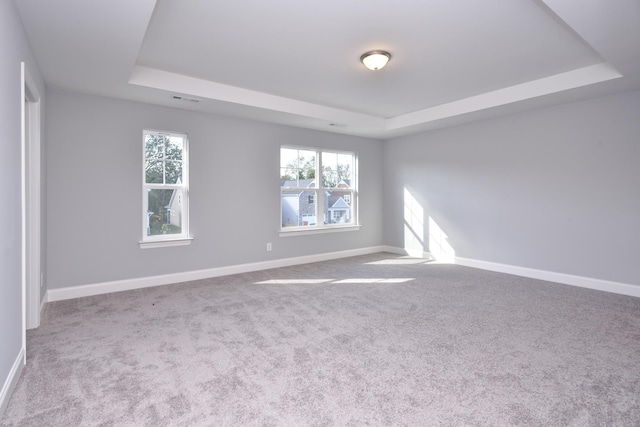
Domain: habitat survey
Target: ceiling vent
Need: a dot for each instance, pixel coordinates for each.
(185, 98)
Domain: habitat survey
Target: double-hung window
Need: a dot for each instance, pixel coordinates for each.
(165, 188)
(317, 189)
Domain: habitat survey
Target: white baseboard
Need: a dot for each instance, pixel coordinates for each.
(566, 279)
(71, 292)
(550, 276)
(144, 282)
(408, 252)
(11, 381)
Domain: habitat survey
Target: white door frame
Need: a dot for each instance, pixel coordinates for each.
(31, 206)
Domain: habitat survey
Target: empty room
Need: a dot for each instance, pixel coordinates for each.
(305, 213)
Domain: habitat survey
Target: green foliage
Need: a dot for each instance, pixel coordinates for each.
(306, 169)
(332, 177)
(158, 228)
(163, 160)
(300, 169)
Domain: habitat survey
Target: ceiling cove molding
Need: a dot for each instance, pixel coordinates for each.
(553, 84)
(164, 80)
(172, 82)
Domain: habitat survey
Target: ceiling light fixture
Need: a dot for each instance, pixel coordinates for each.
(375, 59)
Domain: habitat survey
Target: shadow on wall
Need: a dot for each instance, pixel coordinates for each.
(414, 233)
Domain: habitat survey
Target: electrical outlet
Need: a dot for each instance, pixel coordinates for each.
(268, 247)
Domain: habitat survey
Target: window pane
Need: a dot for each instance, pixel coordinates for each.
(173, 148)
(308, 169)
(289, 166)
(345, 166)
(338, 210)
(288, 156)
(164, 215)
(297, 167)
(336, 169)
(298, 208)
(153, 171)
(154, 146)
(173, 172)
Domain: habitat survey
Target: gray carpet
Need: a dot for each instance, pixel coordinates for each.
(374, 340)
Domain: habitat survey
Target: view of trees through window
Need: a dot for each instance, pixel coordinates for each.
(297, 164)
(302, 202)
(164, 168)
(336, 167)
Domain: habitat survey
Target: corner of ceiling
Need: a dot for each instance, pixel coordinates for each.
(582, 21)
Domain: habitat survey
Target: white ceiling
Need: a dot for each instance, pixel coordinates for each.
(297, 62)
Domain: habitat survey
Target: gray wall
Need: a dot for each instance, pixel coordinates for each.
(14, 48)
(556, 189)
(94, 191)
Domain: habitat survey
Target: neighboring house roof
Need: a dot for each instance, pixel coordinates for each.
(302, 183)
(337, 202)
(311, 183)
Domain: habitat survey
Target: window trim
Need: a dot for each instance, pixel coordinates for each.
(319, 198)
(166, 240)
(165, 243)
(302, 231)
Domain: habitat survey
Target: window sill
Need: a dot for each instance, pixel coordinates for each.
(165, 243)
(320, 230)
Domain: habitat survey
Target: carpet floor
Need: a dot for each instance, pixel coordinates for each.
(375, 340)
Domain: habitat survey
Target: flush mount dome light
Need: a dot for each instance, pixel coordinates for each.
(376, 59)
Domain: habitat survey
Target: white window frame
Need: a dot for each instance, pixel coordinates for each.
(320, 195)
(164, 240)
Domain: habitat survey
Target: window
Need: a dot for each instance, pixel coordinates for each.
(307, 205)
(165, 187)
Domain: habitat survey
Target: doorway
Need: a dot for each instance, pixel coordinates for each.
(31, 204)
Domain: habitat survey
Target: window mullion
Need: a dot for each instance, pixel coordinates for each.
(164, 168)
(320, 192)
(157, 186)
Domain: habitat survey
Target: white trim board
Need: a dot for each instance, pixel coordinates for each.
(414, 253)
(31, 194)
(532, 273)
(11, 381)
(551, 276)
(167, 279)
